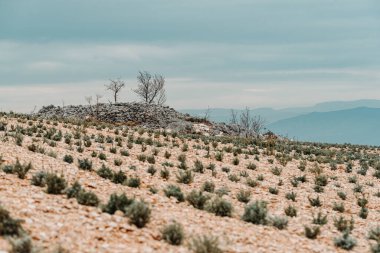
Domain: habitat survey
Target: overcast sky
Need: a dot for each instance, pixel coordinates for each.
(217, 53)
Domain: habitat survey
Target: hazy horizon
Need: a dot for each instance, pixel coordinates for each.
(218, 54)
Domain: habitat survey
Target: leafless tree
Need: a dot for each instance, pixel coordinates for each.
(247, 125)
(115, 87)
(206, 116)
(151, 89)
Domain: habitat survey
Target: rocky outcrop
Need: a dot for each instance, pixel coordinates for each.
(150, 116)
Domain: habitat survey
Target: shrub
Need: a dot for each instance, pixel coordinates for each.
(198, 166)
(173, 234)
(345, 241)
(312, 232)
(167, 155)
(251, 182)
(124, 152)
(276, 171)
(243, 196)
(320, 219)
(291, 196)
(374, 234)
(205, 244)
(342, 195)
(102, 156)
(197, 199)
(151, 170)
(363, 213)
(55, 184)
(291, 211)
(219, 156)
(119, 177)
(279, 222)
(118, 162)
(85, 164)
(273, 190)
(105, 172)
(87, 198)
(315, 201)
(151, 159)
(251, 166)
(39, 179)
(21, 170)
(68, 159)
(141, 158)
(74, 190)
(219, 207)
(138, 213)
(235, 161)
(165, 174)
(344, 225)
(256, 213)
(185, 177)
(21, 244)
(208, 186)
(117, 202)
(339, 207)
(133, 182)
(8, 225)
(174, 191)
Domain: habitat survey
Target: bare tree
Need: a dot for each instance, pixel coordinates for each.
(151, 89)
(206, 116)
(115, 87)
(247, 125)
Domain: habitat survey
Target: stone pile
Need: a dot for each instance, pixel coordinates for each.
(145, 115)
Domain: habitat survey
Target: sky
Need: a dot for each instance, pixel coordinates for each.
(214, 53)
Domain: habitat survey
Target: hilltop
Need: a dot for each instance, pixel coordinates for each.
(91, 186)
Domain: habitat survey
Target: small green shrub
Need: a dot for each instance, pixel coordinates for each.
(197, 199)
(185, 177)
(138, 213)
(219, 207)
(105, 172)
(85, 164)
(8, 225)
(205, 244)
(345, 241)
(39, 179)
(174, 191)
(119, 177)
(291, 211)
(320, 219)
(87, 198)
(117, 202)
(256, 213)
(68, 159)
(279, 222)
(134, 182)
(73, 191)
(243, 196)
(173, 234)
(208, 186)
(55, 184)
(312, 232)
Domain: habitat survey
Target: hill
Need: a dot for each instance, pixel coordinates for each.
(357, 126)
(272, 115)
(90, 186)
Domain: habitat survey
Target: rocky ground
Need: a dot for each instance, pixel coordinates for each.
(267, 170)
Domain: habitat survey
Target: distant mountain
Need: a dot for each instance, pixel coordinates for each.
(273, 115)
(356, 126)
